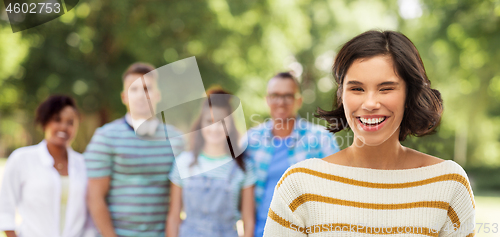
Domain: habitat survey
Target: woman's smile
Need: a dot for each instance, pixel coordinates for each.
(371, 123)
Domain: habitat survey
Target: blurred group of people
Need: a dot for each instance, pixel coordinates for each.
(130, 182)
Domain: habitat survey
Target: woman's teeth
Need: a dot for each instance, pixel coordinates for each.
(372, 121)
(61, 134)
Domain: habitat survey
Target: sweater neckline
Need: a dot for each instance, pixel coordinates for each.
(428, 167)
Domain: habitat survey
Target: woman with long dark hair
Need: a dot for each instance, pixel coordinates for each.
(212, 182)
(376, 186)
(45, 184)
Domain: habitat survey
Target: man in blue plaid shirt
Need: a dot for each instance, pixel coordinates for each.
(282, 141)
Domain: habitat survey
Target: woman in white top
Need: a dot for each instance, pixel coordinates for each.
(45, 184)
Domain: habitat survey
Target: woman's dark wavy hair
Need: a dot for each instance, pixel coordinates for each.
(423, 105)
(197, 140)
(51, 107)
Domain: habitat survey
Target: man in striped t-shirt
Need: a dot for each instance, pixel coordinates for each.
(128, 190)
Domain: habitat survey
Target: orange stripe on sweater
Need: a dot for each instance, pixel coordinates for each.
(446, 177)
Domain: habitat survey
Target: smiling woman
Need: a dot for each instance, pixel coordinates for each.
(376, 185)
(45, 184)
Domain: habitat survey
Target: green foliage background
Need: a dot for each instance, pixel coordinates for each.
(240, 45)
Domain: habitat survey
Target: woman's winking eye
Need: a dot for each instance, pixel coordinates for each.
(361, 89)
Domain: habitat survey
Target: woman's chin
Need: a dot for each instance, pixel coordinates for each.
(374, 141)
(58, 142)
(361, 141)
(216, 142)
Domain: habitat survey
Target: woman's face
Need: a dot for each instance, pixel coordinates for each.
(213, 133)
(374, 100)
(62, 127)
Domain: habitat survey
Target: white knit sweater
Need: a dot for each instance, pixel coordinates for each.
(318, 198)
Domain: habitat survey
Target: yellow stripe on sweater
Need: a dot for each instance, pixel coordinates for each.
(446, 177)
(280, 220)
(431, 204)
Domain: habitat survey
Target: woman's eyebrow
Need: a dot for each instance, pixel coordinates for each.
(354, 83)
(385, 83)
(389, 83)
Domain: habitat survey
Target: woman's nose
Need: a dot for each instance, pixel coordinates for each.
(65, 127)
(371, 102)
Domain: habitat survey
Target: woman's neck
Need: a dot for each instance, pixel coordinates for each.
(388, 155)
(214, 150)
(57, 152)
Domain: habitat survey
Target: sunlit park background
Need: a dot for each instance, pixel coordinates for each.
(241, 44)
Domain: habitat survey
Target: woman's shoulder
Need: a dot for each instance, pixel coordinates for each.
(299, 174)
(311, 163)
(422, 160)
(451, 176)
(75, 155)
(184, 160)
(24, 152)
(22, 157)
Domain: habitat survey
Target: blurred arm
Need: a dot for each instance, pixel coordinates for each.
(10, 233)
(96, 200)
(248, 211)
(10, 195)
(174, 214)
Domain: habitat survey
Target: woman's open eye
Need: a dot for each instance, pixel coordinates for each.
(356, 89)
